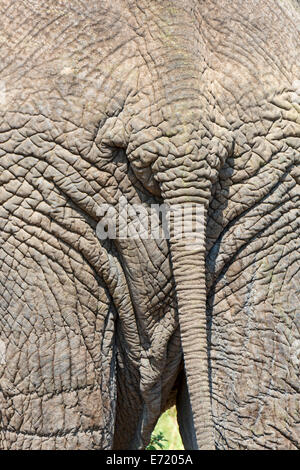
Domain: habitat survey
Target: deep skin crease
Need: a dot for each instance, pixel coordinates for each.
(172, 102)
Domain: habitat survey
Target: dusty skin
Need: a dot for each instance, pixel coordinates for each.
(183, 102)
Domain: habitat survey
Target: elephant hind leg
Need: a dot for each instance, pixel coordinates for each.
(55, 371)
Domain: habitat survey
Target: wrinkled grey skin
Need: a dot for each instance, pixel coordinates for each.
(182, 101)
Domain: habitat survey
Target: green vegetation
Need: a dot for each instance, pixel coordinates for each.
(156, 442)
(166, 433)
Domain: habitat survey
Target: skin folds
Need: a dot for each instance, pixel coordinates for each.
(160, 102)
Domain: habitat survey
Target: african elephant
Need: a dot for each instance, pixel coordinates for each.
(188, 103)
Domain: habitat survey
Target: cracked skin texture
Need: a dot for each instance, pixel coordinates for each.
(193, 100)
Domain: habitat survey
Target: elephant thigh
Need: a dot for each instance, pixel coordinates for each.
(56, 331)
(255, 346)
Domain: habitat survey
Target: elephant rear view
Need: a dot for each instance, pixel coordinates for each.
(190, 105)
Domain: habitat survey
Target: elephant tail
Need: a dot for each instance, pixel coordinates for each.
(187, 246)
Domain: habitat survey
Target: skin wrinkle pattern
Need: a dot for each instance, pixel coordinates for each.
(183, 105)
